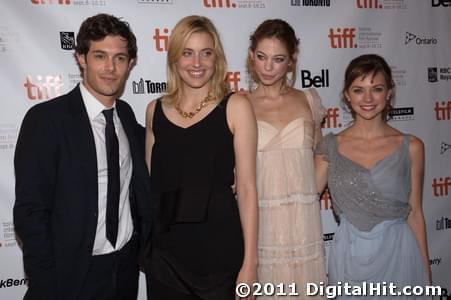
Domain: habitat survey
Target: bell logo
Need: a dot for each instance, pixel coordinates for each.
(44, 88)
(369, 4)
(232, 79)
(331, 119)
(161, 40)
(440, 186)
(342, 38)
(219, 3)
(67, 2)
(443, 111)
(317, 81)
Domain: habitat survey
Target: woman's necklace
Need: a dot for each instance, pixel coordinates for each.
(191, 114)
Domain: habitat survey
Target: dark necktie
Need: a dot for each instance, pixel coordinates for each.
(113, 189)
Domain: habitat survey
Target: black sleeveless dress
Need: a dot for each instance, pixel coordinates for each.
(197, 241)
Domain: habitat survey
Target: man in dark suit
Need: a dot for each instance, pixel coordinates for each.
(82, 206)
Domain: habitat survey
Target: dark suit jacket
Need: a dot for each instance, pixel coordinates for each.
(55, 213)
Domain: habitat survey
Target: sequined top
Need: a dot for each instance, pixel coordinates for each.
(364, 196)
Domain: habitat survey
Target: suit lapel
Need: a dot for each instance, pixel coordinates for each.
(81, 138)
(128, 128)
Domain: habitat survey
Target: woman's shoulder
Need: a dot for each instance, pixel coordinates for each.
(416, 145)
(150, 110)
(239, 101)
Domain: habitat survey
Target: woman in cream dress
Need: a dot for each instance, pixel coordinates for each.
(290, 246)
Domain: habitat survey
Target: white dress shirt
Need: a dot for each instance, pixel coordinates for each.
(94, 109)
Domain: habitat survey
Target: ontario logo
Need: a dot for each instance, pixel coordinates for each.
(411, 38)
(444, 147)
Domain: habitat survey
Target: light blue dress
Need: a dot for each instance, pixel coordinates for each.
(373, 242)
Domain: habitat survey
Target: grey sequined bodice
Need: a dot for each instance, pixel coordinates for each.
(368, 196)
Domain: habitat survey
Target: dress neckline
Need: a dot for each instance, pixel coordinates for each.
(190, 126)
(286, 125)
(375, 164)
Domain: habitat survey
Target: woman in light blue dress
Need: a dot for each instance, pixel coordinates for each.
(375, 175)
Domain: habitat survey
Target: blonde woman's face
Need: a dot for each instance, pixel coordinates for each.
(196, 65)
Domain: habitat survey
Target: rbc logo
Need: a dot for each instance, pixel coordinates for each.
(319, 81)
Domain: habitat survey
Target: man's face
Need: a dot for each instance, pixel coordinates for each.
(105, 68)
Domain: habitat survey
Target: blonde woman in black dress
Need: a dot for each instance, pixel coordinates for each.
(199, 138)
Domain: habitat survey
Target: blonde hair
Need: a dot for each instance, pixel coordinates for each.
(179, 36)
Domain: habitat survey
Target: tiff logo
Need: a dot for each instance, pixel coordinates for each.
(45, 87)
(67, 2)
(161, 40)
(307, 80)
(443, 223)
(342, 38)
(331, 119)
(440, 186)
(368, 4)
(443, 111)
(219, 3)
(232, 79)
